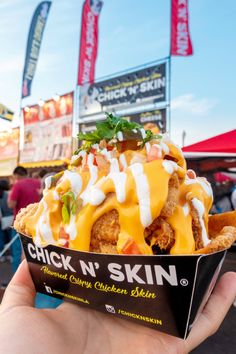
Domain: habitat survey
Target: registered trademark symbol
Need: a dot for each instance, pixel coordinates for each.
(96, 265)
(184, 282)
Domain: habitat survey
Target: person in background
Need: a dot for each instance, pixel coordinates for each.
(42, 173)
(233, 197)
(24, 191)
(5, 217)
(222, 197)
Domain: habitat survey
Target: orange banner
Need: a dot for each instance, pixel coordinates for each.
(48, 130)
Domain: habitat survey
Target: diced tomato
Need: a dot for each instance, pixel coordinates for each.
(63, 238)
(110, 147)
(66, 244)
(92, 151)
(131, 248)
(101, 161)
(154, 153)
(63, 243)
(191, 174)
(63, 234)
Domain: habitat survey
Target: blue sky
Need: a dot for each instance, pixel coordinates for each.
(131, 33)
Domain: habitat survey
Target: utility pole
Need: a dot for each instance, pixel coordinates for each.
(183, 137)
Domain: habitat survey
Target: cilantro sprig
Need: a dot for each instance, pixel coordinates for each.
(149, 136)
(108, 129)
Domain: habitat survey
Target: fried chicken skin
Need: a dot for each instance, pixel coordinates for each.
(127, 191)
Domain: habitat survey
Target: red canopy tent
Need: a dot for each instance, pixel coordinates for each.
(216, 154)
(219, 145)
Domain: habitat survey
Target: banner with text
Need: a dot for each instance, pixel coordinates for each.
(180, 37)
(89, 41)
(33, 45)
(147, 85)
(48, 130)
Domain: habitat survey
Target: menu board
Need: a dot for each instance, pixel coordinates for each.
(147, 85)
(155, 119)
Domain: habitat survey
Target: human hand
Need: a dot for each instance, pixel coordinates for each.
(73, 329)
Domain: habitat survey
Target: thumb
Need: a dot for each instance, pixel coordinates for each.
(21, 290)
(215, 310)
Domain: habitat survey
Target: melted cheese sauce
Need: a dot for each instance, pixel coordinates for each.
(137, 189)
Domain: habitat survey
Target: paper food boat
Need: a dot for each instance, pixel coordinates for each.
(163, 292)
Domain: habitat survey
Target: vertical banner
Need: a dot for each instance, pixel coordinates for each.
(180, 37)
(89, 41)
(33, 45)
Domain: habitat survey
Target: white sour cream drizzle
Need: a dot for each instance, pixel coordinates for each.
(94, 196)
(164, 147)
(170, 166)
(123, 160)
(55, 195)
(82, 153)
(75, 181)
(43, 228)
(143, 192)
(143, 133)
(120, 136)
(137, 159)
(119, 180)
(106, 153)
(90, 159)
(186, 209)
(114, 165)
(203, 183)
(148, 147)
(93, 177)
(198, 205)
(206, 186)
(71, 227)
(48, 182)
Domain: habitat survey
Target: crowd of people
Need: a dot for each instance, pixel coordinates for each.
(224, 196)
(16, 193)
